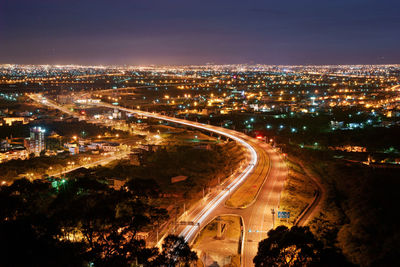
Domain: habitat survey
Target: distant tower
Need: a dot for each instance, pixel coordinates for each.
(36, 141)
(313, 101)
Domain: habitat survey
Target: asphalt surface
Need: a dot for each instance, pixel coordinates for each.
(257, 216)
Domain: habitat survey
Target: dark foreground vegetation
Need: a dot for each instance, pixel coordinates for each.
(296, 246)
(82, 222)
(361, 213)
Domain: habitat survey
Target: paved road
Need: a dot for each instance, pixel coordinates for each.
(257, 216)
(46, 102)
(38, 98)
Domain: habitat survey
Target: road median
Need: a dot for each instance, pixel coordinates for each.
(245, 195)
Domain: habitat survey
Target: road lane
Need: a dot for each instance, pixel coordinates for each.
(257, 216)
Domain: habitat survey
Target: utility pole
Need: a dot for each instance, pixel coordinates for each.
(176, 217)
(157, 233)
(273, 218)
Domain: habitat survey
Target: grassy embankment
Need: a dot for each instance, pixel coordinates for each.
(357, 218)
(297, 193)
(247, 192)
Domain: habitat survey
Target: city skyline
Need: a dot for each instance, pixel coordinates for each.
(199, 133)
(180, 32)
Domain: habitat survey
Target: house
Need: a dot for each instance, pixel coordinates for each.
(179, 178)
(116, 183)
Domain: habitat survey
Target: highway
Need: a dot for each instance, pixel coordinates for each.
(257, 216)
(104, 161)
(46, 102)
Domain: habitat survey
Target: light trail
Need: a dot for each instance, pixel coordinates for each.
(188, 231)
(205, 212)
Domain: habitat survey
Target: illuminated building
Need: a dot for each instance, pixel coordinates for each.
(36, 140)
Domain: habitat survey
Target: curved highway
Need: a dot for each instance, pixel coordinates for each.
(217, 198)
(257, 215)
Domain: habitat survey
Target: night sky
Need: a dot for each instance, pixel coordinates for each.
(199, 31)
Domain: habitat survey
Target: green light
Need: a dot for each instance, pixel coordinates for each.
(54, 184)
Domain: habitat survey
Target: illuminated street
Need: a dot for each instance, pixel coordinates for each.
(199, 133)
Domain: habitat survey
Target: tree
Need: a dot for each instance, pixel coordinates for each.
(143, 188)
(28, 233)
(21, 244)
(289, 247)
(176, 252)
(83, 222)
(105, 219)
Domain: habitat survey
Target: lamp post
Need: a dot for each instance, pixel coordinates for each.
(273, 218)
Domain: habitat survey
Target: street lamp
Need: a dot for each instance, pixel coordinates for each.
(273, 217)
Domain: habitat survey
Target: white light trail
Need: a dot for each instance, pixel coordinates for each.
(206, 211)
(212, 204)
